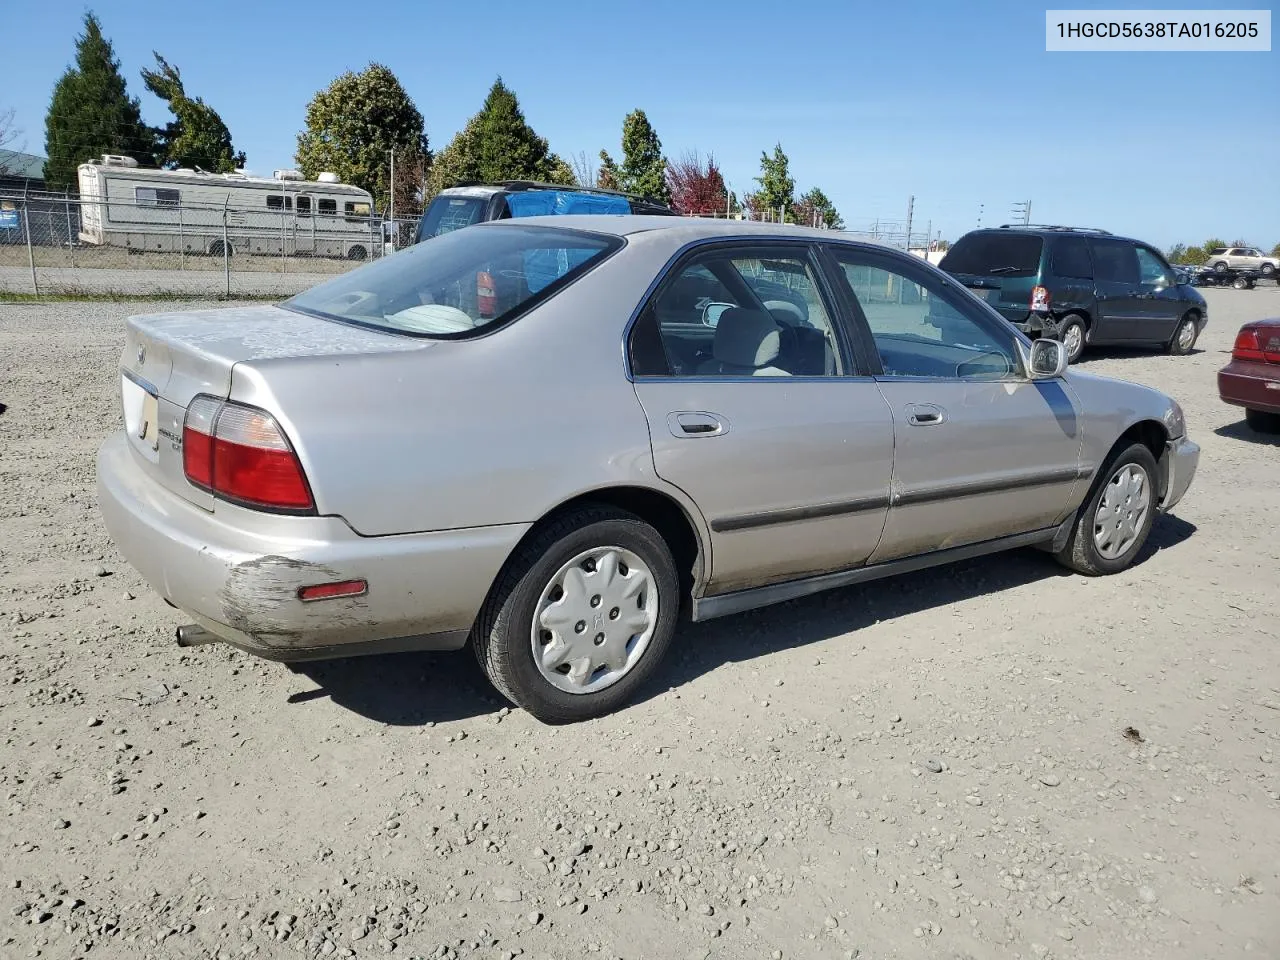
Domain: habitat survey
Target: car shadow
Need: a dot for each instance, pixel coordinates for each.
(413, 689)
(1242, 431)
(701, 647)
(1094, 354)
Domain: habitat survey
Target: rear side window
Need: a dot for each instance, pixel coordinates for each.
(995, 254)
(460, 283)
(1115, 261)
(1071, 258)
(445, 214)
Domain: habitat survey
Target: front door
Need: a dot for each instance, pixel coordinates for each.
(304, 231)
(980, 451)
(1159, 300)
(756, 410)
(1115, 265)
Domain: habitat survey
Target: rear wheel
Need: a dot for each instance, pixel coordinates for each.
(1184, 338)
(1262, 421)
(1072, 334)
(357, 253)
(217, 249)
(1241, 283)
(581, 615)
(1115, 520)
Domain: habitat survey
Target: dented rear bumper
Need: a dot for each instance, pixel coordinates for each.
(237, 572)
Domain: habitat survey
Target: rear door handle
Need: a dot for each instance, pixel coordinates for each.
(696, 423)
(925, 414)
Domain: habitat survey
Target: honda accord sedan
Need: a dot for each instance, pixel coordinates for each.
(552, 439)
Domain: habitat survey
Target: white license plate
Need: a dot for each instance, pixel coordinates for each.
(141, 414)
(982, 292)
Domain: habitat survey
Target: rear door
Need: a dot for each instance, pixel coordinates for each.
(1120, 313)
(759, 411)
(980, 451)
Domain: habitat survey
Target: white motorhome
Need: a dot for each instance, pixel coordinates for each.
(193, 211)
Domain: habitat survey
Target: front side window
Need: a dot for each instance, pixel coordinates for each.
(460, 283)
(156, 197)
(737, 312)
(1152, 271)
(1115, 261)
(921, 329)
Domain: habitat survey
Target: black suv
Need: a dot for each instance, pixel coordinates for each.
(466, 203)
(1079, 285)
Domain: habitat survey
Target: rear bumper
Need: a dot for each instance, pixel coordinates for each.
(241, 584)
(1183, 456)
(1253, 385)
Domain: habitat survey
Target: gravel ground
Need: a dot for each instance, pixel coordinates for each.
(994, 760)
(62, 280)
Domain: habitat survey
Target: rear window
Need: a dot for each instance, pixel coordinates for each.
(445, 214)
(995, 254)
(461, 283)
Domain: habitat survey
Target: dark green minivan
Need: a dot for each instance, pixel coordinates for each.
(1085, 287)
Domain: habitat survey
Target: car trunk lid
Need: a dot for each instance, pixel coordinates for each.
(170, 358)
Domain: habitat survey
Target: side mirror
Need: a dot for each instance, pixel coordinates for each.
(1047, 360)
(712, 311)
(1181, 277)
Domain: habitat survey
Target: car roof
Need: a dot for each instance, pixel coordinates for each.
(1046, 232)
(681, 228)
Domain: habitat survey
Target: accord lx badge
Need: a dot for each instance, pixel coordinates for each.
(142, 355)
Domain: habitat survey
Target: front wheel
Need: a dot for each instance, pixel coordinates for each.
(1262, 421)
(1115, 520)
(1184, 338)
(1268, 270)
(1220, 267)
(581, 615)
(1072, 335)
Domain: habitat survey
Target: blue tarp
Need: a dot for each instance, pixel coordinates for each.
(540, 203)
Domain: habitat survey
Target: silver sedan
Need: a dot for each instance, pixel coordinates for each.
(551, 439)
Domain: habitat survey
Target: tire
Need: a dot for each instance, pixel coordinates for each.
(1268, 271)
(1262, 421)
(216, 249)
(357, 253)
(1241, 283)
(1082, 553)
(504, 634)
(1220, 267)
(1184, 338)
(1072, 323)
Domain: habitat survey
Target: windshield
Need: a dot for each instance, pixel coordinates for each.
(461, 282)
(446, 213)
(995, 254)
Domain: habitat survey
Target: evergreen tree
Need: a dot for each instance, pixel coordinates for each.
(644, 168)
(91, 112)
(196, 137)
(777, 188)
(355, 123)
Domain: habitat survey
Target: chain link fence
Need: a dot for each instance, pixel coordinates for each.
(64, 244)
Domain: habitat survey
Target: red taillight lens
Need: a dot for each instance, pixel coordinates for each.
(486, 295)
(1039, 298)
(1248, 346)
(241, 454)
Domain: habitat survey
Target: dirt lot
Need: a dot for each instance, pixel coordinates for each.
(929, 767)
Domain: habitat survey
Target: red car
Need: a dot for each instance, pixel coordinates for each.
(1252, 378)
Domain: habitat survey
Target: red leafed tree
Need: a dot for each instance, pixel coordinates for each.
(697, 185)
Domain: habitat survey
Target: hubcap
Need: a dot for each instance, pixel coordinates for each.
(594, 620)
(1073, 339)
(1122, 511)
(1186, 335)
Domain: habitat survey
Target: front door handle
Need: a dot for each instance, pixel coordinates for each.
(925, 414)
(696, 423)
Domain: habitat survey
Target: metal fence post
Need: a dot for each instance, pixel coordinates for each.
(31, 257)
(182, 256)
(226, 252)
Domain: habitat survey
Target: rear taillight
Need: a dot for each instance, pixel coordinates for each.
(486, 295)
(1039, 298)
(1248, 346)
(240, 453)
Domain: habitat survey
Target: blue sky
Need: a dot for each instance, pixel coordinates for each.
(955, 103)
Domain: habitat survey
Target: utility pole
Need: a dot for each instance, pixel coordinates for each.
(1023, 210)
(395, 233)
(911, 206)
(980, 214)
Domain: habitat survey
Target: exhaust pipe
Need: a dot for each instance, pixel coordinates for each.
(192, 635)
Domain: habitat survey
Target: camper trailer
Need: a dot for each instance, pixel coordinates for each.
(196, 212)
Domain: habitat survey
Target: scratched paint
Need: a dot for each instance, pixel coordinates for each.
(260, 598)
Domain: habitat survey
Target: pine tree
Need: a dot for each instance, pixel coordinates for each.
(91, 112)
(777, 188)
(643, 169)
(196, 137)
